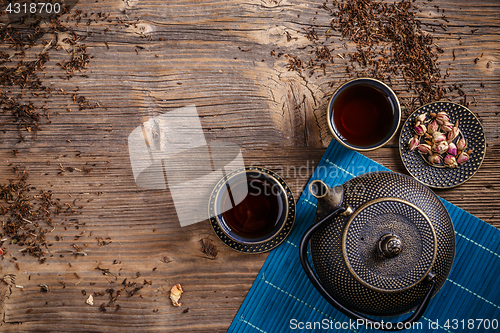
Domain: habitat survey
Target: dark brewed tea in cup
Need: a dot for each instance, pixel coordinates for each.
(364, 114)
(251, 210)
(256, 216)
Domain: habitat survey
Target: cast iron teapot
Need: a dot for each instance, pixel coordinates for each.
(382, 244)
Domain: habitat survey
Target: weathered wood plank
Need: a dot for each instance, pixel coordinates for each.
(159, 56)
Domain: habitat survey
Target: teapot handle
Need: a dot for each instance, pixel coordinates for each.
(354, 315)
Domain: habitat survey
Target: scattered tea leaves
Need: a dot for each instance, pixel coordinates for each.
(378, 39)
(28, 217)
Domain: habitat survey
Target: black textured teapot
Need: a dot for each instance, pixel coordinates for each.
(382, 244)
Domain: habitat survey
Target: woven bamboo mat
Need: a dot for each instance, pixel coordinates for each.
(283, 300)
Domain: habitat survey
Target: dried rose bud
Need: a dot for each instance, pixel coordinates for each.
(175, 294)
(438, 137)
(440, 147)
(433, 127)
(420, 118)
(420, 129)
(425, 148)
(441, 117)
(434, 159)
(414, 142)
(452, 149)
(453, 134)
(447, 126)
(461, 144)
(462, 158)
(450, 161)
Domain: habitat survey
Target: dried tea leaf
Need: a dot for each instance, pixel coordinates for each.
(44, 288)
(166, 260)
(9, 279)
(208, 248)
(175, 294)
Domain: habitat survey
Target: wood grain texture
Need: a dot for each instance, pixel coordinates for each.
(158, 56)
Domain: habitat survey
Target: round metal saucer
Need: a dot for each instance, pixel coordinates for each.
(259, 247)
(444, 177)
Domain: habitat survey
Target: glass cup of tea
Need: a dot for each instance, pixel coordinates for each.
(252, 210)
(364, 114)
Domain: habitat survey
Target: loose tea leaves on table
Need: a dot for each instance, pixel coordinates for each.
(22, 63)
(389, 41)
(26, 218)
(376, 39)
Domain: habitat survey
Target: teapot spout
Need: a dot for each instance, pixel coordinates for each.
(329, 198)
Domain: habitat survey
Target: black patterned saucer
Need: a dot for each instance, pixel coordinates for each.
(266, 243)
(444, 177)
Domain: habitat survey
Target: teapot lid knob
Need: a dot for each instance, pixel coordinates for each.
(390, 245)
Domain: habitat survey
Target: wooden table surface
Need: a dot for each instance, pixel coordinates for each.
(149, 57)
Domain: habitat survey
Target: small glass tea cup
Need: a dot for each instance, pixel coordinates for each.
(364, 114)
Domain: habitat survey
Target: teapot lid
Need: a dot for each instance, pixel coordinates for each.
(389, 245)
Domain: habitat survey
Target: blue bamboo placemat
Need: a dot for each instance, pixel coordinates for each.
(283, 300)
